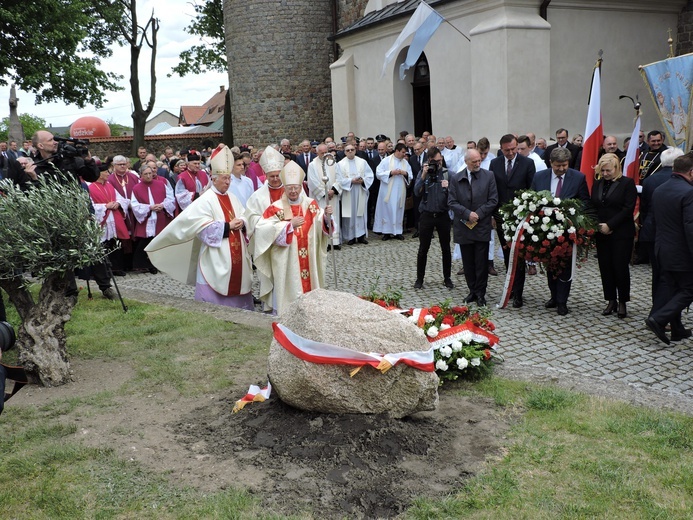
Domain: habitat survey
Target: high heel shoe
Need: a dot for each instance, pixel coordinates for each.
(622, 313)
(610, 308)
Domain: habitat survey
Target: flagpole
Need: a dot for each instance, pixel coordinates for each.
(446, 21)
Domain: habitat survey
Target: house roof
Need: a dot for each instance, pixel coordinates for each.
(189, 115)
(214, 108)
(158, 128)
(386, 14)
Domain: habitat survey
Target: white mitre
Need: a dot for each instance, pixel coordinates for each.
(271, 160)
(292, 174)
(222, 161)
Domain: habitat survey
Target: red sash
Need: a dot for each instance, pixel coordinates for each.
(235, 247)
(142, 195)
(103, 194)
(189, 180)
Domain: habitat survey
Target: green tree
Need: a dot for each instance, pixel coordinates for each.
(47, 231)
(53, 48)
(117, 129)
(211, 54)
(30, 124)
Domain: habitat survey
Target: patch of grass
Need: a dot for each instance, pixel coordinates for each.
(575, 456)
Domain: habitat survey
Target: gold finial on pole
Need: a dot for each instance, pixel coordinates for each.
(670, 41)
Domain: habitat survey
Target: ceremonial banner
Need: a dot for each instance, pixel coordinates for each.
(422, 25)
(594, 133)
(670, 83)
(631, 165)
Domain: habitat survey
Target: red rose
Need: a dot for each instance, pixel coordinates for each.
(561, 239)
(435, 310)
(545, 243)
(449, 320)
(542, 250)
(459, 310)
(530, 248)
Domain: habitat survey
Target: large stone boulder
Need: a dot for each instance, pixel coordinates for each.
(347, 321)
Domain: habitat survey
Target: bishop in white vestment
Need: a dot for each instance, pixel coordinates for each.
(394, 173)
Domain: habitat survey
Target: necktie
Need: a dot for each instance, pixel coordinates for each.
(307, 159)
(559, 186)
(509, 168)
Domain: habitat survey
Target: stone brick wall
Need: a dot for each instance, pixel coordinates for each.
(684, 43)
(279, 76)
(105, 146)
(348, 11)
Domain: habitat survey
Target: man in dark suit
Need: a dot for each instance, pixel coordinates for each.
(565, 183)
(672, 204)
(562, 142)
(306, 156)
(418, 159)
(473, 198)
(512, 173)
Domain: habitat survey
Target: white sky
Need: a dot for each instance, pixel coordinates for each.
(174, 16)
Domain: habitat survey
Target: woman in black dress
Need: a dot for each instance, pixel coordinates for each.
(613, 196)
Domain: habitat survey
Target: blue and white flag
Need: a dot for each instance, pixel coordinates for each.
(422, 25)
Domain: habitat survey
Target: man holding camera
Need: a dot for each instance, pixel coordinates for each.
(67, 166)
(432, 189)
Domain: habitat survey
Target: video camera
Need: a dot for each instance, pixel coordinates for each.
(432, 174)
(71, 148)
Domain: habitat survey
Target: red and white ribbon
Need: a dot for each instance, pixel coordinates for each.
(255, 395)
(512, 262)
(447, 336)
(326, 354)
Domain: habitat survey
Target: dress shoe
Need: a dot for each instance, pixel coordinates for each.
(517, 302)
(399, 237)
(481, 302)
(562, 309)
(531, 270)
(418, 284)
(492, 270)
(471, 297)
(448, 283)
(362, 240)
(610, 308)
(658, 330)
(682, 334)
(338, 248)
(460, 272)
(622, 312)
(351, 242)
(415, 235)
(153, 270)
(551, 304)
(387, 237)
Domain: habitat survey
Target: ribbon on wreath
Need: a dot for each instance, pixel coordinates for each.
(326, 354)
(255, 395)
(512, 262)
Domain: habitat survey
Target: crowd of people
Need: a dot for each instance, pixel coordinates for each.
(216, 219)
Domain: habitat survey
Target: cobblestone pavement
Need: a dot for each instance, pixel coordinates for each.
(584, 350)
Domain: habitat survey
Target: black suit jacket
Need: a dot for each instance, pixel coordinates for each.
(574, 185)
(649, 185)
(574, 150)
(520, 177)
(672, 205)
(415, 166)
(616, 209)
(301, 160)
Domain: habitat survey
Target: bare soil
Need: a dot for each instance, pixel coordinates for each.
(320, 465)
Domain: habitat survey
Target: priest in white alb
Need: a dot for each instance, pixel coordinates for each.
(325, 193)
(394, 174)
(290, 243)
(355, 177)
(206, 245)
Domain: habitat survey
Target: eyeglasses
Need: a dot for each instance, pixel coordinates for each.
(350, 150)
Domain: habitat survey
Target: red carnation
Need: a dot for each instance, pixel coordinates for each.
(459, 310)
(560, 239)
(487, 355)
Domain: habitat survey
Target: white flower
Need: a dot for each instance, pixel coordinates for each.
(535, 238)
(525, 225)
(441, 365)
(429, 319)
(432, 332)
(521, 208)
(532, 206)
(466, 337)
(444, 326)
(571, 229)
(476, 362)
(548, 211)
(535, 220)
(543, 201)
(445, 351)
(516, 201)
(550, 236)
(413, 319)
(456, 346)
(508, 238)
(546, 220)
(522, 238)
(544, 228)
(525, 196)
(559, 216)
(571, 211)
(555, 229)
(516, 212)
(530, 229)
(462, 363)
(556, 201)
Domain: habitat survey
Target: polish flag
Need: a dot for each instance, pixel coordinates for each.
(631, 165)
(594, 132)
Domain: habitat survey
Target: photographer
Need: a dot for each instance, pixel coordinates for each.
(432, 188)
(67, 163)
